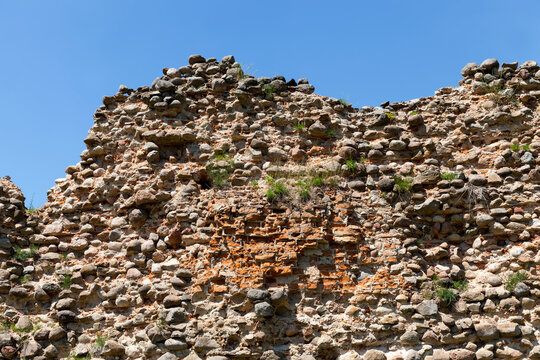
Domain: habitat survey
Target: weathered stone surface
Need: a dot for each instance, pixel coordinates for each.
(113, 348)
(508, 329)
(264, 309)
(24, 324)
(440, 354)
(204, 343)
(30, 349)
(66, 316)
(170, 356)
(427, 308)
(535, 352)
(473, 295)
(508, 352)
(409, 338)
(486, 331)
(461, 354)
(56, 334)
(374, 355)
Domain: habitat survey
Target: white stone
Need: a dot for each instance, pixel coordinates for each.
(118, 222)
(427, 308)
(516, 251)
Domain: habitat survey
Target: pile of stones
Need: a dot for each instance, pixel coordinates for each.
(215, 215)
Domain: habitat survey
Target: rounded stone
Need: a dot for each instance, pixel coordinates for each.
(489, 64)
(257, 294)
(409, 338)
(427, 308)
(264, 309)
(374, 355)
(196, 59)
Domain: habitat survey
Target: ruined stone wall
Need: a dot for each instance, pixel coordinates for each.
(12, 208)
(218, 216)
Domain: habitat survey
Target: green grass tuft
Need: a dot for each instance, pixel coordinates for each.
(280, 189)
(80, 357)
(270, 195)
(352, 165)
(501, 96)
(219, 175)
(447, 175)
(66, 282)
(269, 91)
(240, 72)
(514, 279)
(517, 147)
(460, 285)
(446, 295)
(316, 181)
(277, 189)
(403, 184)
(100, 341)
(24, 254)
(304, 194)
(304, 190)
(8, 326)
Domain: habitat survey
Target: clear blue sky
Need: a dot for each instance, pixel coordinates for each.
(58, 58)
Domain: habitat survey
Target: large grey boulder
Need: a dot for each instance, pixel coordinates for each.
(374, 355)
(264, 309)
(486, 331)
(427, 308)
